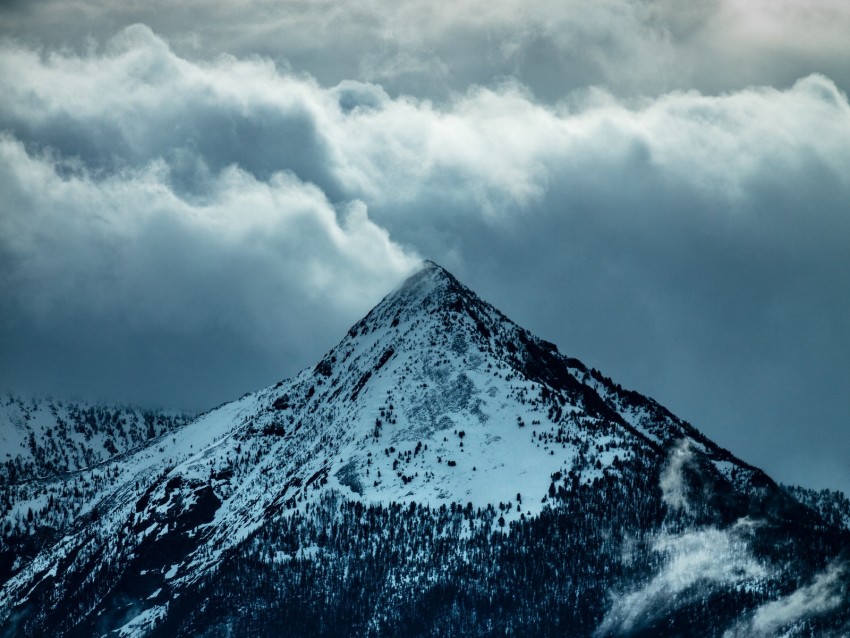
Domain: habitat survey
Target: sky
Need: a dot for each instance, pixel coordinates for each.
(200, 197)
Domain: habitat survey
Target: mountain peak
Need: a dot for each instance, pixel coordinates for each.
(431, 290)
(429, 264)
(429, 278)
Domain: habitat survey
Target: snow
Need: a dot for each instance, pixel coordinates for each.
(421, 402)
(70, 436)
(21, 508)
(726, 469)
(139, 625)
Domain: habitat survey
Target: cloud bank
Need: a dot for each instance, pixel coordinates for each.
(225, 217)
(436, 49)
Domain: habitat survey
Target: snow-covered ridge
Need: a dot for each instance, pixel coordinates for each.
(40, 438)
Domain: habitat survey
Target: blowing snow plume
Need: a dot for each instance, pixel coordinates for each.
(701, 563)
(825, 593)
(695, 561)
(672, 482)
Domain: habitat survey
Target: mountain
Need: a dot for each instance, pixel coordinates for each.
(440, 472)
(48, 441)
(43, 437)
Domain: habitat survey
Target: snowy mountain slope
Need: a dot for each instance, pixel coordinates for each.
(42, 437)
(52, 450)
(434, 403)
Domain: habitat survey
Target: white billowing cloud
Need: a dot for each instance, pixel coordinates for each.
(504, 142)
(136, 101)
(252, 256)
(130, 195)
(490, 149)
(490, 154)
(824, 594)
(486, 154)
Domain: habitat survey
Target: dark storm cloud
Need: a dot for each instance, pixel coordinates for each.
(186, 302)
(197, 226)
(137, 102)
(434, 49)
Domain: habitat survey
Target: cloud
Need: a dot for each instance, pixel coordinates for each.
(136, 101)
(434, 50)
(131, 235)
(123, 258)
(691, 245)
